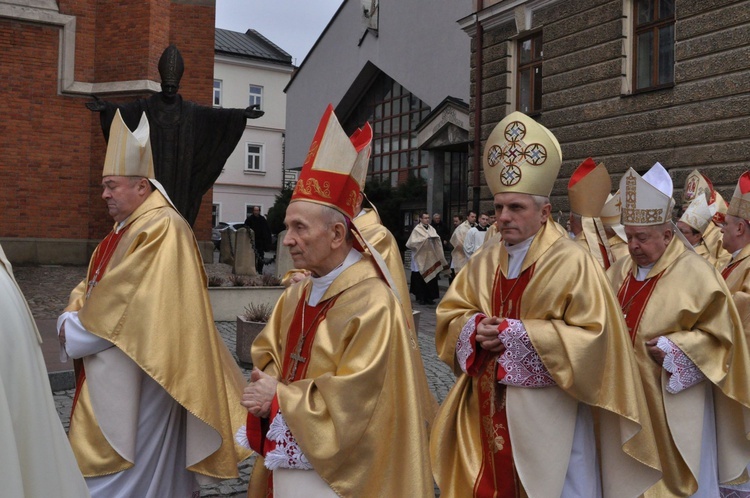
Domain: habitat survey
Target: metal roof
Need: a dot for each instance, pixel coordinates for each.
(250, 44)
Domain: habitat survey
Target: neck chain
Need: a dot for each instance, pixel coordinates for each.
(503, 298)
(296, 355)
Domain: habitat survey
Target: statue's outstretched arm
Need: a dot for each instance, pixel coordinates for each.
(251, 112)
(97, 105)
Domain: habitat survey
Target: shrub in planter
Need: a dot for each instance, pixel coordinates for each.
(249, 325)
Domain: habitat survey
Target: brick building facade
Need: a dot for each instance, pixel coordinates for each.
(591, 59)
(53, 56)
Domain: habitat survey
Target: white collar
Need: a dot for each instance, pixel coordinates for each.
(640, 275)
(321, 284)
(516, 255)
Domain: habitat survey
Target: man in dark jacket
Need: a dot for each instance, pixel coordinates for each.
(262, 231)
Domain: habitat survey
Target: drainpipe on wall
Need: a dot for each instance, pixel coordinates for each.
(478, 107)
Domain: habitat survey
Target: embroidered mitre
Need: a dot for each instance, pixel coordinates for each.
(647, 200)
(521, 156)
(335, 168)
(740, 204)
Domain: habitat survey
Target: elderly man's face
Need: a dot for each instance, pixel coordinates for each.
(518, 216)
(647, 244)
(308, 236)
(731, 232)
(690, 234)
(123, 194)
(436, 218)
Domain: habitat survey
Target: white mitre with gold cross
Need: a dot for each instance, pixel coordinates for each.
(646, 200)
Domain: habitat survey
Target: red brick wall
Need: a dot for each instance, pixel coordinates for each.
(52, 146)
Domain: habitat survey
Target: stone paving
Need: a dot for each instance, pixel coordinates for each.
(47, 288)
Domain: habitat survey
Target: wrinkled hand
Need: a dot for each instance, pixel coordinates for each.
(654, 352)
(259, 393)
(97, 105)
(487, 334)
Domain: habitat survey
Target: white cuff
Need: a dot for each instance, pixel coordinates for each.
(683, 372)
(287, 453)
(465, 343)
(79, 342)
(521, 362)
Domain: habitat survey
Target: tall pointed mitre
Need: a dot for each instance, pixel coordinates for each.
(521, 156)
(720, 208)
(696, 184)
(129, 153)
(698, 214)
(610, 214)
(647, 200)
(588, 188)
(740, 204)
(335, 167)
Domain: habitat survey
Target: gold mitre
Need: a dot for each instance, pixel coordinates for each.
(740, 204)
(588, 188)
(695, 185)
(129, 153)
(335, 168)
(610, 213)
(698, 215)
(647, 200)
(521, 156)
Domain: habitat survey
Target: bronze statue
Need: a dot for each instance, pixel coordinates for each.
(190, 142)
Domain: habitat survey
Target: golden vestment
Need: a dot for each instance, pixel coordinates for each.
(574, 323)
(357, 415)
(427, 250)
(738, 282)
(458, 257)
(691, 306)
(491, 232)
(152, 304)
(618, 247)
(35, 456)
(593, 239)
(704, 252)
(714, 239)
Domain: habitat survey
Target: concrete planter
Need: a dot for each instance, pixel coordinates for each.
(246, 334)
(228, 302)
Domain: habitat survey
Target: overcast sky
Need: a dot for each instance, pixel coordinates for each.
(293, 25)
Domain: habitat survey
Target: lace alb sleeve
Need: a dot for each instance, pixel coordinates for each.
(683, 372)
(520, 363)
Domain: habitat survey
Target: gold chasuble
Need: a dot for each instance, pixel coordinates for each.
(619, 248)
(351, 402)
(713, 239)
(182, 352)
(703, 322)
(572, 320)
(737, 276)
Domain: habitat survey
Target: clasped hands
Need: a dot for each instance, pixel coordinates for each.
(259, 393)
(488, 335)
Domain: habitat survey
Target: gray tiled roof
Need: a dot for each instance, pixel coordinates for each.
(250, 44)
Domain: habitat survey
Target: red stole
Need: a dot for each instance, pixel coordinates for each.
(633, 297)
(497, 477)
(102, 256)
(605, 257)
(729, 269)
(300, 338)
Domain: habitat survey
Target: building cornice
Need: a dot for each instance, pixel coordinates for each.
(520, 11)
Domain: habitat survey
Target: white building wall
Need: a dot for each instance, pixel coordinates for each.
(419, 44)
(236, 188)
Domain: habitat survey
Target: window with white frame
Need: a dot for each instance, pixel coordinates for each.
(217, 93)
(215, 211)
(256, 96)
(254, 161)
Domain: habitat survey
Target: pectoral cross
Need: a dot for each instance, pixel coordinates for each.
(297, 358)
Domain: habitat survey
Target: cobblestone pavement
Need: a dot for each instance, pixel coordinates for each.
(47, 289)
